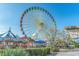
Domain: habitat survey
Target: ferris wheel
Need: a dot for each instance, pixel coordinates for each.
(38, 24)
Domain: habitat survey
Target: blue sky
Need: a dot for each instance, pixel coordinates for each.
(64, 15)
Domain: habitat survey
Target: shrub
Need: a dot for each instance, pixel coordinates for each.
(55, 49)
(76, 45)
(38, 51)
(25, 52)
(13, 52)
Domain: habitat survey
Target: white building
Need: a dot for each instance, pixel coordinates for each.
(73, 32)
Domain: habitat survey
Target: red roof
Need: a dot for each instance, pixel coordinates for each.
(23, 38)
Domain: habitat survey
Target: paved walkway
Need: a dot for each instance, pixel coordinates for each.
(72, 52)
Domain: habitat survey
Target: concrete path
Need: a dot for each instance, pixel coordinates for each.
(72, 52)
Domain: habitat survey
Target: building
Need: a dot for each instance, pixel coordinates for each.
(39, 43)
(73, 32)
(10, 40)
(7, 39)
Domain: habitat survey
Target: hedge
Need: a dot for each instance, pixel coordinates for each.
(38, 51)
(25, 52)
(13, 52)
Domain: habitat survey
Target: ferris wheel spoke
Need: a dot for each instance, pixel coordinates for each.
(29, 33)
(30, 28)
(28, 23)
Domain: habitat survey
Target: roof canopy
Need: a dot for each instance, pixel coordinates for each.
(8, 35)
(40, 41)
(72, 27)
